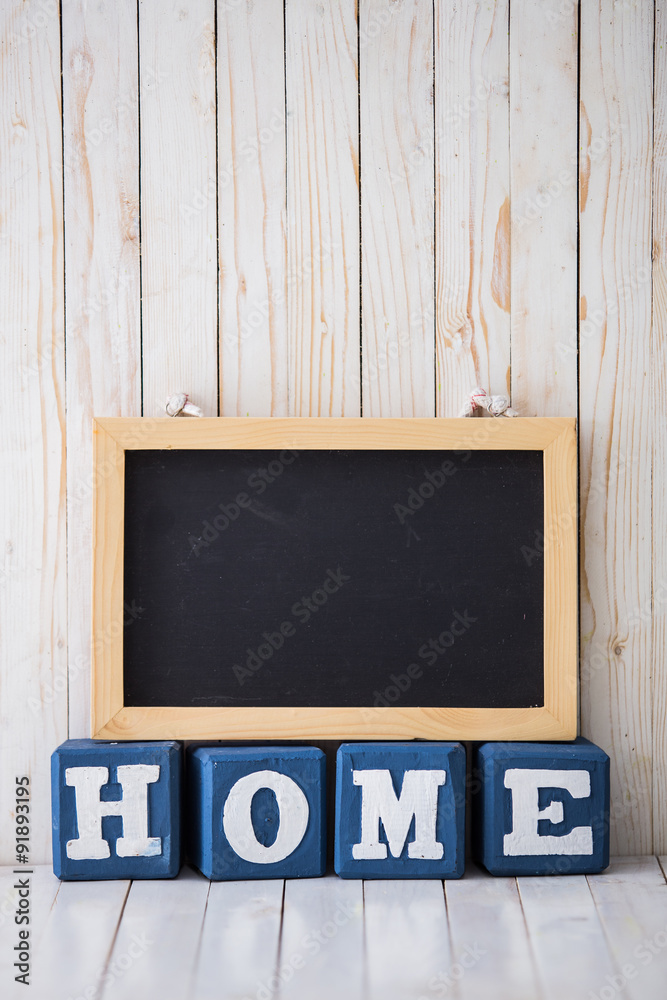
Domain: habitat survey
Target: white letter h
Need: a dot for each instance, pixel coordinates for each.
(134, 780)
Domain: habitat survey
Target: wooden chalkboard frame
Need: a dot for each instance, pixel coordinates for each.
(555, 720)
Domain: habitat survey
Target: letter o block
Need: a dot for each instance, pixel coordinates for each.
(400, 810)
(541, 808)
(116, 810)
(257, 812)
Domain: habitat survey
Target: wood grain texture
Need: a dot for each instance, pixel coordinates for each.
(397, 198)
(178, 203)
(322, 939)
(78, 939)
(252, 210)
(630, 901)
(658, 395)
(472, 245)
(408, 947)
(412, 109)
(33, 586)
(155, 950)
(543, 168)
(44, 887)
(567, 902)
(240, 939)
(101, 157)
(488, 930)
(615, 418)
(323, 207)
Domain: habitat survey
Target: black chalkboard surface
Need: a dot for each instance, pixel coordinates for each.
(315, 577)
(334, 579)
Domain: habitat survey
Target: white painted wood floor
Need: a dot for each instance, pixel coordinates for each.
(483, 938)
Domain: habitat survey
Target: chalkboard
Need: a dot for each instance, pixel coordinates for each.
(335, 570)
(300, 588)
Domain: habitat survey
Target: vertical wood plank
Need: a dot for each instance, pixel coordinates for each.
(543, 177)
(488, 928)
(407, 939)
(101, 183)
(33, 583)
(615, 416)
(658, 404)
(322, 942)
(44, 887)
(240, 939)
(472, 247)
(397, 207)
(78, 939)
(252, 209)
(630, 897)
(155, 949)
(565, 902)
(178, 203)
(322, 207)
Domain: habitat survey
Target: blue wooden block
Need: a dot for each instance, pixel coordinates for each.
(116, 810)
(541, 808)
(400, 810)
(257, 812)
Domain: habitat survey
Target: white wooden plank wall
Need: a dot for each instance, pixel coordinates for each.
(659, 469)
(472, 208)
(252, 193)
(331, 209)
(615, 409)
(33, 579)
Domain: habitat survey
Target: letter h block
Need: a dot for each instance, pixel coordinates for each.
(257, 812)
(400, 810)
(541, 808)
(116, 810)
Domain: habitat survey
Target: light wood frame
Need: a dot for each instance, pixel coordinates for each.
(556, 720)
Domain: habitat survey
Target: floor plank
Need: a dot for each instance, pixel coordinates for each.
(78, 939)
(321, 950)
(156, 946)
(562, 920)
(44, 888)
(240, 938)
(407, 939)
(490, 945)
(631, 900)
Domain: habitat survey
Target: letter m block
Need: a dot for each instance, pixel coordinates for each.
(541, 808)
(116, 810)
(400, 810)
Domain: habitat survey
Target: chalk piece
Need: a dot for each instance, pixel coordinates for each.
(541, 808)
(257, 812)
(116, 810)
(400, 810)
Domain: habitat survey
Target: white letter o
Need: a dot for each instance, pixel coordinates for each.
(237, 820)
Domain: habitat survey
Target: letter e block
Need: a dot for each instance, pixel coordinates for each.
(400, 810)
(541, 808)
(116, 810)
(257, 812)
